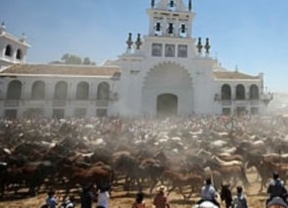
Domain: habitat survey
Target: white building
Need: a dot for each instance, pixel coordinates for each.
(12, 50)
(167, 72)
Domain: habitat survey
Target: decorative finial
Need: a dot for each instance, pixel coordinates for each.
(199, 45)
(138, 41)
(207, 45)
(190, 5)
(152, 3)
(23, 38)
(129, 42)
(2, 28)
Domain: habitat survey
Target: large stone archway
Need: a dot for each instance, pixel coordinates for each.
(167, 105)
(167, 82)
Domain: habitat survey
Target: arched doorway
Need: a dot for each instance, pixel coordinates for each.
(175, 82)
(167, 105)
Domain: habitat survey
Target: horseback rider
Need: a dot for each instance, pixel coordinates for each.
(208, 193)
(276, 188)
(240, 200)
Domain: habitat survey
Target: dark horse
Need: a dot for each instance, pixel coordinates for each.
(226, 195)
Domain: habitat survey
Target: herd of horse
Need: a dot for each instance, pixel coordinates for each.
(137, 154)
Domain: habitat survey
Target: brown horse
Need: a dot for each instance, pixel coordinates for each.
(98, 175)
(179, 181)
(281, 168)
(229, 171)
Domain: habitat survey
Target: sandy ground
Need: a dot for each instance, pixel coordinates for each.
(121, 200)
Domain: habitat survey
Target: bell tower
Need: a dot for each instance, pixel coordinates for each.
(170, 18)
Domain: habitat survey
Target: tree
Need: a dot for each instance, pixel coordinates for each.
(73, 59)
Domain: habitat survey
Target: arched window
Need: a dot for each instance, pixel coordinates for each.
(18, 54)
(240, 92)
(171, 5)
(8, 50)
(61, 90)
(103, 91)
(38, 90)
(14, 90)
(82, 92)
(254, 92)
(225, 92)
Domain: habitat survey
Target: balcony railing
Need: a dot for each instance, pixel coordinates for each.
(11, 103)
(102, 103)
(59, 103)
(254, 102)
(226, 102)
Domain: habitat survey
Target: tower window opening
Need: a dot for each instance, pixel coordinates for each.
(19, 54)
(183, 31)
(183, 28)
(8, 51)
(170, 28)
(158, 29)
(158, 26)
(171, 5)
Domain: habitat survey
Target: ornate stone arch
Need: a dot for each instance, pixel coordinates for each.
(240, 92)
(61, 91)
(167, 78)
(254, 92)
(167, 68)
(38, 90)
(226, 93)
(103, 91)
(82, 91)
(14, 90)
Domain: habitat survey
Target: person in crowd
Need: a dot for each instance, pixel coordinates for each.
(160, 200)
(139, 201)
(103, 198)
(68, 202)
(51, 200)
(240, 199)
(276, 188)
(87, 197)
(208, 193)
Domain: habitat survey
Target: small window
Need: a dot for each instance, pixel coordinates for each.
(157, 49)
(169, 50)
(182, 51)
(19, 54)
(8, 51)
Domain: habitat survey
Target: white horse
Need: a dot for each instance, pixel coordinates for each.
(206, 204)
(218, 161)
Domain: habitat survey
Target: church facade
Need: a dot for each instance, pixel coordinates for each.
(166, 72)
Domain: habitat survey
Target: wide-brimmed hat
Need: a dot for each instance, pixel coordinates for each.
(161, 188)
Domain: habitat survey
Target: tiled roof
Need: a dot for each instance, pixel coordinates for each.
(232, 75)
(51, 69)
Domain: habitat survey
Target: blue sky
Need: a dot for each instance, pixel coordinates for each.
(252, 34)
